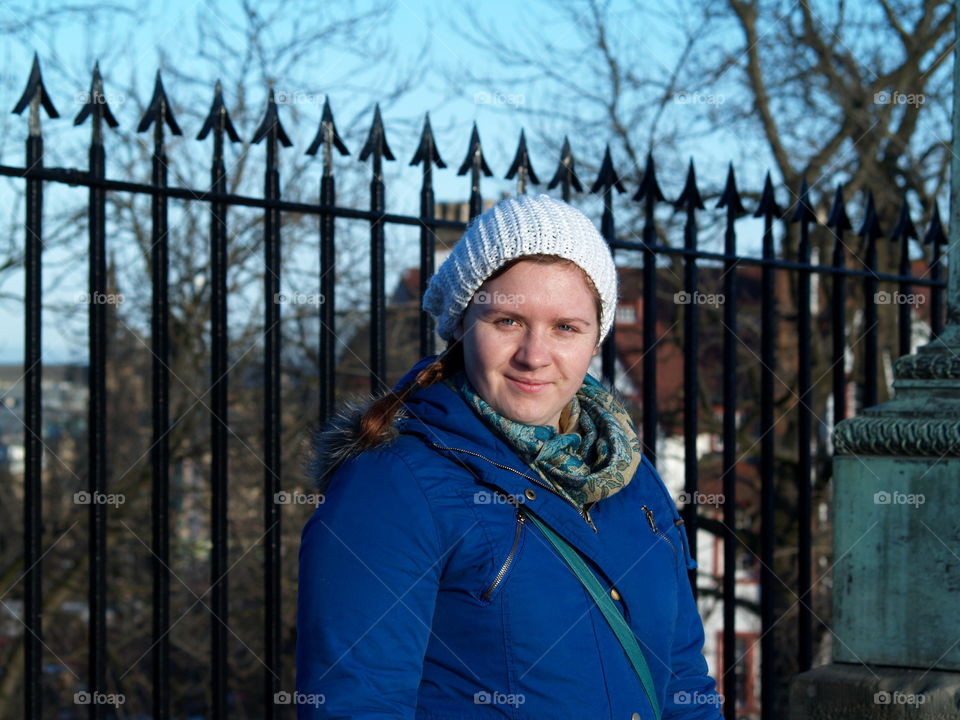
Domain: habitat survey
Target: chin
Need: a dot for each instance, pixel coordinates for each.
(527, 416)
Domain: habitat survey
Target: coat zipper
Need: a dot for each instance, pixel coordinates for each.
(585, 514)
(506, 563)
(653, 526)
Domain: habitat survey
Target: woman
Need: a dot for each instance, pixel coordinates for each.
(430, 586)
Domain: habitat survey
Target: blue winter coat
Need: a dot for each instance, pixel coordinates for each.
(423, 594)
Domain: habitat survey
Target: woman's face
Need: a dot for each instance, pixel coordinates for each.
(528, 336)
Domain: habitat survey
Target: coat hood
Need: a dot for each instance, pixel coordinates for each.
(339, 438)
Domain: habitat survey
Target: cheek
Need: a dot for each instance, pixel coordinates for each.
(578, 355)
(487, 342)
(482, 352)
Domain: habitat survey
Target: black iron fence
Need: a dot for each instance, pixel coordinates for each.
(220, 129)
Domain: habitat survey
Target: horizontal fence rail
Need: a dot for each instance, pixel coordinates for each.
(219, 128)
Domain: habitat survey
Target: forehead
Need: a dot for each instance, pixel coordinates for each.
(558, 271)
(530, 286)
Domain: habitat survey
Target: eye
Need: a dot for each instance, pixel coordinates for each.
(504, 320)
(567, 328)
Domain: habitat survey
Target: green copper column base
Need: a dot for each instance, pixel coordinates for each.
(857, 692)
(896, 500)
(896, 573)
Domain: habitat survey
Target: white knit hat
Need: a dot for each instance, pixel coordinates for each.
(524, 225)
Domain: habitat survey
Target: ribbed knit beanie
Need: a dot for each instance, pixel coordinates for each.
(524, 225)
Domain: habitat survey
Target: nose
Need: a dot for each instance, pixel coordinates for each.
(533, 351)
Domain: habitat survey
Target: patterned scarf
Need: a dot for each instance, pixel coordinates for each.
(594, 454)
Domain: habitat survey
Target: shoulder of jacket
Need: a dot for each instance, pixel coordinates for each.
(339, 439)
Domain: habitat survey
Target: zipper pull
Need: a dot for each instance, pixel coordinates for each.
(586, 516)
(650, 520)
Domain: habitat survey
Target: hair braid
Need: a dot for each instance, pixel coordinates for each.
(376, 422)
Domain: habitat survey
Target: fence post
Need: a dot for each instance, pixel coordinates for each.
(218, 120)
(272, 131)
(521, 168)
(903, 231)
(377, 147)
(804, 215)
(327, 136)
(98, 110)
(159, 114)
(768, 210)
(607, 180)
(476, 164)
(649, 194)
(428, 155)
(34, 96)
(566, 173)
(839, 223)
(690, 201)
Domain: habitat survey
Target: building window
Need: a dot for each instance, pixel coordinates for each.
(627, 314)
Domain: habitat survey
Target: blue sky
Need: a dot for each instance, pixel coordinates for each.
(131, 52)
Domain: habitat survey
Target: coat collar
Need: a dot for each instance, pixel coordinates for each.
(443, 420)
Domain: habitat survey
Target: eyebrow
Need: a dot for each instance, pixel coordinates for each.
(496, 310)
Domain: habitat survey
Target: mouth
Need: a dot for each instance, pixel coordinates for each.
(527, 386)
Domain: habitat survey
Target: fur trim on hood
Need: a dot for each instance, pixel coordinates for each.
(339, 440)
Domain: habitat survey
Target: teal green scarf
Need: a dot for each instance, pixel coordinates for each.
(595, 453)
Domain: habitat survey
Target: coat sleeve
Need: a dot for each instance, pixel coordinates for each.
(370, 564)
(691, 692)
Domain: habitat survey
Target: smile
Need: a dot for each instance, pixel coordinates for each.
(527, 386)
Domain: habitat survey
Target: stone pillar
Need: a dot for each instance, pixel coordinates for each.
(896, 573)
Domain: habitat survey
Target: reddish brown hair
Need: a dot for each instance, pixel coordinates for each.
(378, 418)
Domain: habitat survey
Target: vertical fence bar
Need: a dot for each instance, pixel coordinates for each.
(377, 146)
(730, 200)
(521, 168)
(159, 113)
(768, 327)
(839, 223)
(160, 453)
(804, 215)
(96, 423)
(33, 422)
(98, 110)
(329, 138)
(690, 201)
(566, 174)
(476, 164)
(272, 131)
(218, 437)
(34, 96)
(607, 179)
(649, 193)
(903, 231)
(870, 231)
(427, 155)
(218, 120)
(935, 237)
(328, 273)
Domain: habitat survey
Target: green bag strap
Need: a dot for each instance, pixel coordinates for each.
(610, 611)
